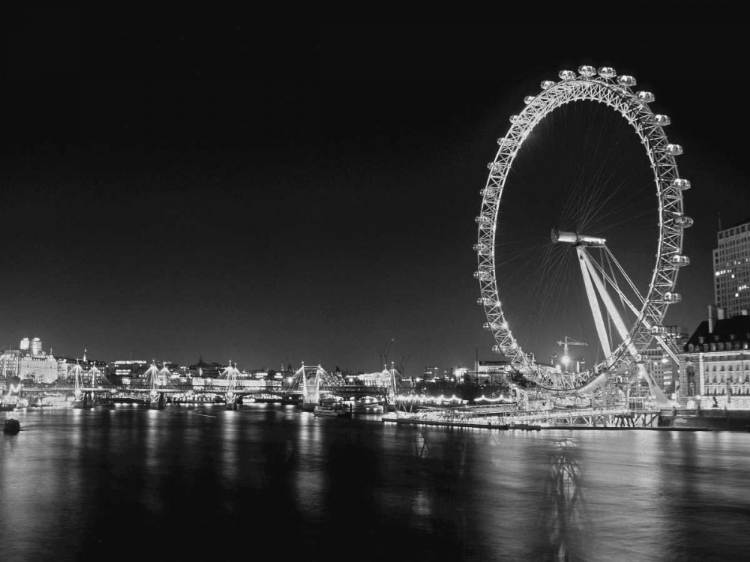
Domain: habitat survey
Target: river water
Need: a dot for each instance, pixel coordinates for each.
(272, 482)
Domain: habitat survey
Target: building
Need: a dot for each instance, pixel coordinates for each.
(662, 369)
(717, 362)
(29, 363)
(492, 371)
(732, 270)
(206, 370)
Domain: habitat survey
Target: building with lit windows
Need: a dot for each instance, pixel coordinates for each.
(492, 371)
(717, 362)
(732, 269)
(29, 363)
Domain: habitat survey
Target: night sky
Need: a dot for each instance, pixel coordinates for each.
(299, 182)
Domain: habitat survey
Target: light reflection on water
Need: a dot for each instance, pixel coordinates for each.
(78, 484)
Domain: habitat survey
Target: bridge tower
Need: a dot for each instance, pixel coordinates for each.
(392, 391)
(231, 396)
(84, 398)
(156, 398)
(311, 389)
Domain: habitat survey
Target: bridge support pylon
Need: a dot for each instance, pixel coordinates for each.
(157, 400)
(84, 400)
(231, 399)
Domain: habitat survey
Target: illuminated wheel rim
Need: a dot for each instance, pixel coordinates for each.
(602, 86)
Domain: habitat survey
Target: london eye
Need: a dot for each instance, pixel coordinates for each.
(581, 231)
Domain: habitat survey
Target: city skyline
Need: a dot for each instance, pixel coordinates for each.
(183, 190)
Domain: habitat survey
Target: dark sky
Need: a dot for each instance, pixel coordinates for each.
(299, 182)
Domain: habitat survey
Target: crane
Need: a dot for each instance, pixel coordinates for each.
(565, 343)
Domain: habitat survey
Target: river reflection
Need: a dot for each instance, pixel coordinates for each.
(202, 482)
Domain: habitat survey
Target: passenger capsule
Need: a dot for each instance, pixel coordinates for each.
(660, 120)
(483, 220)
(505, 142)
(645, 97)
(496, 349)
(674, 149)
(607, 72)
(658, 331)
(495, 167)
(528, 99)
(683, 222)
(679, 261)
(567, 75)
(672, 297)
(547, 84)
(587, 71)
(513, 118)
(489, 326)
(681, 184)
(626, 80)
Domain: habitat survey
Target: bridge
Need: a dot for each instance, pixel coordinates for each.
(157, 389)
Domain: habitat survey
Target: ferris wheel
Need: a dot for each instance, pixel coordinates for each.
(626, 314)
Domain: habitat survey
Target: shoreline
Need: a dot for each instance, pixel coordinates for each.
(525, 427)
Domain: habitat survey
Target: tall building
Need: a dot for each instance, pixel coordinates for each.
(732, 270)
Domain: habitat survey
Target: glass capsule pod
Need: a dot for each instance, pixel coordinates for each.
(607, 72)
(658, 331)
(681, 184)
(547, 84)
(513, 118)
(672, 297)
(587, 71)
(661, 120)
(674, 149)
(646, 97)
(489, 326)
(502, 141)
(626, 80)
(483, 219)
(567, 74)
(496, 349)
(683, 221)
(528, 99)
(679, 260)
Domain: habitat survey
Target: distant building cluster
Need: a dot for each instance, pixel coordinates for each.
(30, 361)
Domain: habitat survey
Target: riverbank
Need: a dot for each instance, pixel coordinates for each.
(525, 427)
